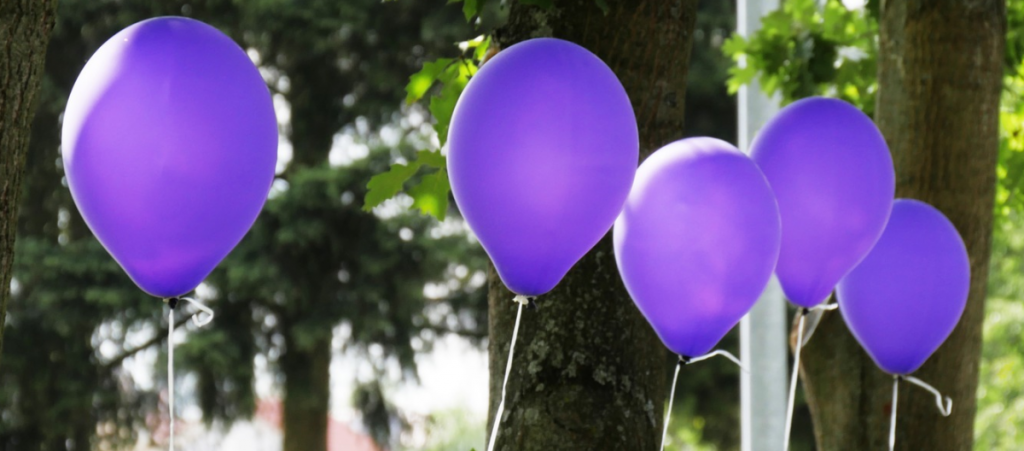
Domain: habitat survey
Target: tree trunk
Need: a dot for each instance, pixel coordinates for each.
(25, 27)
(940, 73)
(307, 372)
(589, 371)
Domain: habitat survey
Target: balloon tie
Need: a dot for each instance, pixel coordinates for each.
(945, 408)
(521, 300)
(684, 360)
(718, 352)
(199, 321)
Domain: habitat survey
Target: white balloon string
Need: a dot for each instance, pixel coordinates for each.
(199, 322)
(671, 396)
(675, 378)
(722, 353)
(521, 300)
(825, 307)
(170, 368)
(794, 377)
(892, 415)
(945, 408)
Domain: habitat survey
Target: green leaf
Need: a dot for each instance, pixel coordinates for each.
(734, 46)
(386, 185)
(442, 105)
(431, 158)
(777, 22)
(470, 8)
(420, 82)
(431, 195)
(603, 4)
(740, 76)
(481, 50)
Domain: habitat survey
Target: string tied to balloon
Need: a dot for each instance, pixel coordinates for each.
(684, 360)
(794, 376)
(522, 301)
(944, 403)
(200, 319)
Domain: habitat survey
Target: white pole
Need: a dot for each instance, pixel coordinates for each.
(763, 331)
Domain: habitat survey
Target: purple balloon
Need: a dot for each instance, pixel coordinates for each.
(543, 150)
(169, 145)
(697, 241)
(833, 177)
(906, 297)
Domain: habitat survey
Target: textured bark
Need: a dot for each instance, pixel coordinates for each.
(589, 371)
(307, 391)
(25, 27)
(940, 73)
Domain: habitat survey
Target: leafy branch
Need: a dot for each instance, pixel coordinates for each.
(805, 49)
(442, 82)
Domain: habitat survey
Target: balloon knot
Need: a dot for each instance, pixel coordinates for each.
(523, 300)
(684, 360)
(172, 303)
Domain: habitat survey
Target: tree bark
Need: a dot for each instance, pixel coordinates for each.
(589, 371)
(940, 73)
(307, 373)
(25, 27)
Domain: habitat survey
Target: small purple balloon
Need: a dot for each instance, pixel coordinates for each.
(169, 145)
(832, 174)
(542, 151)
(697, 241)
(906, 297)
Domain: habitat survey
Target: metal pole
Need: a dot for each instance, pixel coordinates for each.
(763, 331)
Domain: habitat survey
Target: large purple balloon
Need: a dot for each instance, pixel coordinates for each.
(906, 297)
(697, 241)
(169, 146)
(833, 177)
(543, 149)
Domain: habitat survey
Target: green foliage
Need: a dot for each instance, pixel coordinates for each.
(803, 50)
(430, 196)
(1010, 172)
(447, 77)
(386, 185)
(1000, 394)
(71, 301)
(454, 430)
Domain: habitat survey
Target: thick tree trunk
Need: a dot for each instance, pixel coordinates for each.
(589, 371)
(307, 373)
(25, 27)
(940, 72)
